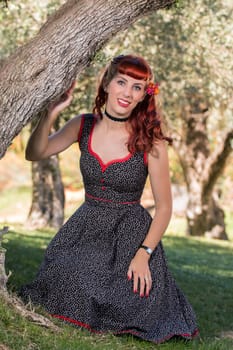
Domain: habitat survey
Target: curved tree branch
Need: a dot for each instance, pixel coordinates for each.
(44, 68)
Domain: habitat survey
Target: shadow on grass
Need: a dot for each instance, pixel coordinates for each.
(24, 255)
(204, 271)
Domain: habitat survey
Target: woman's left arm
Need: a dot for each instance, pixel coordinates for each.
(158, 167)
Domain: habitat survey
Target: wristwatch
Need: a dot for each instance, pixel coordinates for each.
(147, 249)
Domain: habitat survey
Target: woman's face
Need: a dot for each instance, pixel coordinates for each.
(124, 93)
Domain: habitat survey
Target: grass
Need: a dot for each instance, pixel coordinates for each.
(202, 268)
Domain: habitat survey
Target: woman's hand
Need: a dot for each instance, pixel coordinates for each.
(140, 272)
(64, 101)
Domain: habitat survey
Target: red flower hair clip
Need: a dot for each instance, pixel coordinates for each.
(152, 88)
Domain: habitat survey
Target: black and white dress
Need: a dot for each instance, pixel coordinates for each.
(83, 277)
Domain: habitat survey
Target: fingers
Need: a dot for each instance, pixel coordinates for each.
(148, 282)
(67, 96)
(145, 285)
(139, 271)
(141, 284)
(129, 274)
(71, 88)
(134, 275)
(135, 282)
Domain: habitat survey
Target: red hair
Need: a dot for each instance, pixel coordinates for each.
(144, 120)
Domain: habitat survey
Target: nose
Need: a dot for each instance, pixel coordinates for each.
(127, 91)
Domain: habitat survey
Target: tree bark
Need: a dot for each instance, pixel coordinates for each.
(3, 276)
(201, 169)
(44, 68)
(47, 207)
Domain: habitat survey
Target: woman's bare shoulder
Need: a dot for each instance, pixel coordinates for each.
(159, 149)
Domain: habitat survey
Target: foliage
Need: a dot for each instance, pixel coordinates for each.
(191, 53)
(206, 281)
(21, 20)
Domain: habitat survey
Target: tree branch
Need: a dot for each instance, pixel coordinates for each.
(44, 68)
(28, 312)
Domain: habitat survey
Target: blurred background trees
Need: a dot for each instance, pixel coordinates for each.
(190, 51)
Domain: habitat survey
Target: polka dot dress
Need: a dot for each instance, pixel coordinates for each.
(83, 277)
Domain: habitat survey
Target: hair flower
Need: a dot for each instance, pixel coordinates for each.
(152, 88)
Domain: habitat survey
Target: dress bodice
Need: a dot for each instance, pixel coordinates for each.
(119, 180)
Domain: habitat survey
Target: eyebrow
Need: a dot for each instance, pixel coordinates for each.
(121, 77)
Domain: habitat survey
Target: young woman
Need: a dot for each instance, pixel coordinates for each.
(105, 270)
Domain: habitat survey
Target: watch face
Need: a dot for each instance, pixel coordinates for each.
(147, 249)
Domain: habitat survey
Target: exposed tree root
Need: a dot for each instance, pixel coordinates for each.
(227, 334)
(4, 347)
(28, 312)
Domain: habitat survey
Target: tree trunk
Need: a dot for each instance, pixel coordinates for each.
(201, 170)
(44, 68)
(205, 217)
(47, 207)
(48, 198)
(215, 220)
(3, 276)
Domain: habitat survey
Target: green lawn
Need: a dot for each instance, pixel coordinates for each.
(202, 268)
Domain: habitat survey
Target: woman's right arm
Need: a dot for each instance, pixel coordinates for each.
(42, 145)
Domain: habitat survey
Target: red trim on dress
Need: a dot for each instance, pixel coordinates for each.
(103, 165)
(81, 128)
(145, 158)
(87, 326)
(81, 324)
(109, 200)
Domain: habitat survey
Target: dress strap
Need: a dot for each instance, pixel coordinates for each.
(85, 128)
(81, 127)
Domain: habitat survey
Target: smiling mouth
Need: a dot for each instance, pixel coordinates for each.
(123, 103)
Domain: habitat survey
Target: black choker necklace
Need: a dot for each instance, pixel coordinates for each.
(115, 119)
